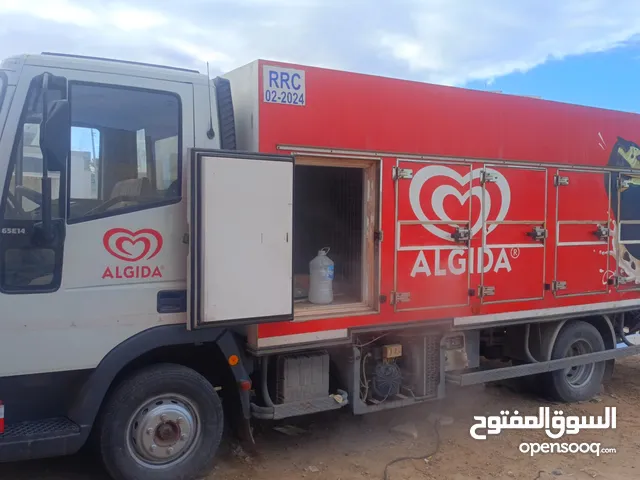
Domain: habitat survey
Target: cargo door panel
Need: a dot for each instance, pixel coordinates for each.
(513, 238)
(434, 207)
(626, 235)
(241, 222)
(583, 260)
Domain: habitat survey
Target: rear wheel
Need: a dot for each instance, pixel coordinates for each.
(163, 422)
(581, 382)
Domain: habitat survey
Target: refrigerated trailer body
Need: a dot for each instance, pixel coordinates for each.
(537, 177)
(157, 229)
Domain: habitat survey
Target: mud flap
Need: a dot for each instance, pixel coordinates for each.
(241, 420)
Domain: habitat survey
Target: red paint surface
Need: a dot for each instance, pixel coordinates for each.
(367, 113)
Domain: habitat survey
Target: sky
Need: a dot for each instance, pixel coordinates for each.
(577, 51)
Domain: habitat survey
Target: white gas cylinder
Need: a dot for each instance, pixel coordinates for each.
(321, 278)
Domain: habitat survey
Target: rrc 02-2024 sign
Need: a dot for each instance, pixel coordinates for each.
(283, 85)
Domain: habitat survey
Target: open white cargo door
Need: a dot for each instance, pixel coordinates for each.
(241, 255)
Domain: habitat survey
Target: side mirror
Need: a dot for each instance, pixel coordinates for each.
(55, 136)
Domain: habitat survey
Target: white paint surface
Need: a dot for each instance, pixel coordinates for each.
(247, 215)
(90, 314)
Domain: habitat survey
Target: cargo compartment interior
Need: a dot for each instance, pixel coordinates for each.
(335, 205)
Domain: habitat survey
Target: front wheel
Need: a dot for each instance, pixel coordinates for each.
(582, 382)
(164, 422)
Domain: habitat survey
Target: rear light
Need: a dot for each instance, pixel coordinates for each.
(1, 417)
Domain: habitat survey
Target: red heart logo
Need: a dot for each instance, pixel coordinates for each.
(122, 244)
(462, 191)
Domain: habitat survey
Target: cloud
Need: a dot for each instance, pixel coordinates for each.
(443, 41)
(449, 42)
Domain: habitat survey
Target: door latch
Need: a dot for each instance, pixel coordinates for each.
(538, 233)
(601, 232)
(624, 182)
(461, 235)
(619, 280)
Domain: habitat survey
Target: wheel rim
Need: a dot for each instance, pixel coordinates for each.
(579, 375)
(163, 431)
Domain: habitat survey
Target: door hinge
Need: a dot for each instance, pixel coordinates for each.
(560, 181)
(538, 233)
(558, 285)
(623, 182)
(400, 297)
(488, 177)
(402, 173)
(461, 235)
(378, 236)
(618, 280)
(602, 232)
(185, 239)
(486, 291)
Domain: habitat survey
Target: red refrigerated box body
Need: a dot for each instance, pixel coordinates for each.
(545, 190)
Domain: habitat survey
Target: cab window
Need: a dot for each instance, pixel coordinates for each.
(125, 150)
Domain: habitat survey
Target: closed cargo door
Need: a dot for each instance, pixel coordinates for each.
(582, 257)
(434, 206)
(514, 234)
(626, 237)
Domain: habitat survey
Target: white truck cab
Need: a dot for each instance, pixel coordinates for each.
(131, 129)
(123, 188)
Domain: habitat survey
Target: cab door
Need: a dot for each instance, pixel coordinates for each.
(112, 261)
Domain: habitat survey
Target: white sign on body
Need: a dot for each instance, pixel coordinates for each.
(283, 85)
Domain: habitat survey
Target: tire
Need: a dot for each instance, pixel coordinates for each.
(182, 447)
(582, 382)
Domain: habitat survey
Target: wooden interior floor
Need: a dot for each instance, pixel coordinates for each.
(338, 300)
(346, 301)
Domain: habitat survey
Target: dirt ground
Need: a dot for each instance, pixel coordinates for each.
(344, 447)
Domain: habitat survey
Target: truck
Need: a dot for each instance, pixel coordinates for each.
(158, 227)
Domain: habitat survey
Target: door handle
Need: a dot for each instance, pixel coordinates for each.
(172, 301)
(538, 233)
(601, 232)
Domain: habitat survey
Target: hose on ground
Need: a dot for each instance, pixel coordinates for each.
(433, 451)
